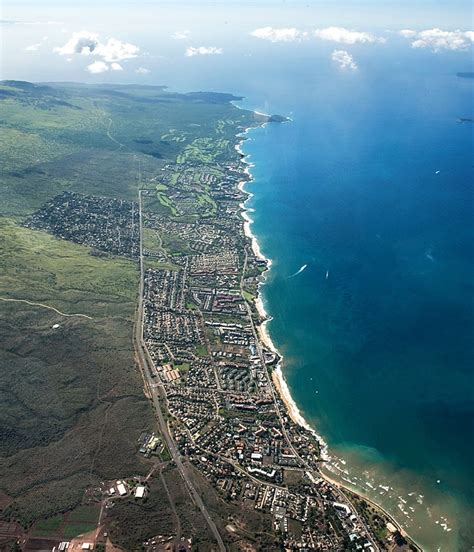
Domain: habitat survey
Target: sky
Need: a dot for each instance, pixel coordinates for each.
(160, 42)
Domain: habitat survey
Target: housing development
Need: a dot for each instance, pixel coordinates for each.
(200, 348)
(208, 362)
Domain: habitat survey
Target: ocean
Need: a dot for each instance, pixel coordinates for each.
(368, 193)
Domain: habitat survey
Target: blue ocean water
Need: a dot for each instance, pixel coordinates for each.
(371, 187)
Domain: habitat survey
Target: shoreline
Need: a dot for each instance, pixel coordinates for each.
(277, 376)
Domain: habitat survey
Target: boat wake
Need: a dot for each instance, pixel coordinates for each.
(298, 271)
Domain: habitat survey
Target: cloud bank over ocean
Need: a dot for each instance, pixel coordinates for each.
(437, 39)
(203, 51)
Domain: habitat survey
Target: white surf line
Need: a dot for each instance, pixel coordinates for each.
(298, 271)
(32, 303)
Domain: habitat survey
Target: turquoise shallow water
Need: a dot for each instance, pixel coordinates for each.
(371, 187)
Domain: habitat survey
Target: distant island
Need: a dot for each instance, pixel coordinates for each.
(278, 119)
(465, 75)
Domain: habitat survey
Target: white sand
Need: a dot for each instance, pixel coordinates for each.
(277, 374)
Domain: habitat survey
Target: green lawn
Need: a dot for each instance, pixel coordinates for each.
(182, 368)
(167, 202)
(152, 240)
(206, 201)
(72, 530)
(48, 527)
(248, 296)
(85, 513)
(153, 263)
(201, 350)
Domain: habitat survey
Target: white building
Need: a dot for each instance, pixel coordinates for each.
(140, 491)
(121, 489)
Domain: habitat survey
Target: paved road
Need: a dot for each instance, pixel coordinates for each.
(157, 392)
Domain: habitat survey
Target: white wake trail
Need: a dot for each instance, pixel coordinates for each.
(298, 271)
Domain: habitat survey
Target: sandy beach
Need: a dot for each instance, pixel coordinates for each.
(277, 374)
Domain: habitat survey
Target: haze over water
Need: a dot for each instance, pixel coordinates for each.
(371, 187)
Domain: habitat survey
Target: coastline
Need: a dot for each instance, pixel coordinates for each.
(277, 376)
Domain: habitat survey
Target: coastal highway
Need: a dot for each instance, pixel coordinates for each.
(157, 392)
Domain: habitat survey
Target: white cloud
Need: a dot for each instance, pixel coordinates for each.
(344, 60)
(333, 34)
(203, 51)
(115, 50)
(82, 42)
(287, 34)
(437, 39)
(142, 71)
(181, 35)
(407, 33)
(37, 46)
(33, 47)
(345, 36)
(86, 43)
(116, 66)
(97, 67)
